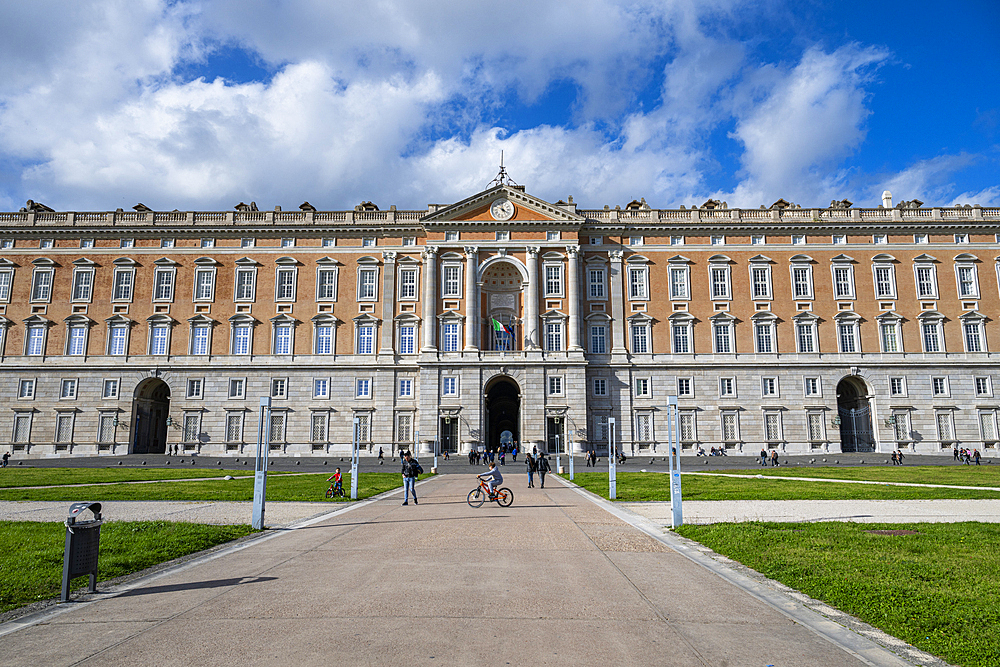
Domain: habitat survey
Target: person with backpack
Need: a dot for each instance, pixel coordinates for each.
(542, 465)
(411, 469)
(530, 467)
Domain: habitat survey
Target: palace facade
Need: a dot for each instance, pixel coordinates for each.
(500, 317)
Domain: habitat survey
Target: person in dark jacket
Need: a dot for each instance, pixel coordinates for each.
(543, 467)
(411, 469)
(530, 467)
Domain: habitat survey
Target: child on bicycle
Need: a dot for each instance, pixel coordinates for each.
(338, 487)
(493, 479)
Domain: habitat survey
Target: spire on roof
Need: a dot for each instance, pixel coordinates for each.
(503, 178)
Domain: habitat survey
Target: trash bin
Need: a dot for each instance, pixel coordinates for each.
(83, 542)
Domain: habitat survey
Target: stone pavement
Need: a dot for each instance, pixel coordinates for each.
(558, 579)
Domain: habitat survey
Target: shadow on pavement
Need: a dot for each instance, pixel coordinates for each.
(195, 585)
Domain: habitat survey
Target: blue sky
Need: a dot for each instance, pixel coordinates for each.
(200, 105)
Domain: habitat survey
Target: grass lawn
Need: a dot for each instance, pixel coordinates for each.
(51, 476)
(644, 486)
(280, 487)
(31, 553)
(938, 590)
(957, 475)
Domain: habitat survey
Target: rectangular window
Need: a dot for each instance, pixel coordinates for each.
(118, 340)
(159, 340)
(452, 236)
(988, 426)
(110, 389)
(939, 386)
(722, 335)
(926, 283)
(279, 388)
(890, 337)
(241, 339)
(234, 427)
(204, 285)
(967, 288)
(761, 279)
(452, 281)
(879, 239)
(839, 239)
(769, 386)
(194, 388)
(686, 426)
(676, 240)
(920, 238)
(678, 283)
(596, 240)
(319, 431)
(247, 242)
(86, 243)
(897, 386)
(961, 238)
(553, 336)
(321, 388)
(326, 284)
(123, 284)
(237, 388)
(902, 426)
(983, 386)
(684, 387)
(83, 284)
(199, 339)
(644, 428)
(324, 339)
(764, 333)
(406, 388)
(77, 344)
(757, 239)
(404, 427)
(553, 280)
(772, 426)
(885, 287)
(718, 240)
(26, 389)
(192, 427)
(730, 427)
(408, 284)
(551, 236)
(277, 427)
(367, 287)
(41, 287)
(407, 339)
(366, 339)
(35, 344)
(598, 339)
(815, 421)
(682, 338)
(449, 337)
(330, 243)
(363, 427)
(64, 428)
(208, 243)
(363, 388)
(798, 239)
(106, 428)
(285, 289)
(812, 386)
(635, 240)
(6, 278)
(802, 282)
(503, 236)
(600, 387)
(290, 243)
(166, 243)
(368, 242)
(409, 241)
(638, 289)
(163, 285)
(846, 336)
(843, 283)
(932, 336)
(944, 427)
(727, 387)
(555, 385)
(596, 283)
(642, 387)
(720, 283)
(640, 339)
(449, 386)
(283, 339)
(973, 336)
(246, 279)
(805, 336)
(126, 243)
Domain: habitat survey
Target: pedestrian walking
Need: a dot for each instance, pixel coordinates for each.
(530, 468)
(774, 458)
(543, 467)
(381, 456)
(513, 454)
(763, 457)
(954, 452)
(899, 457)
(503, 457)
(975, 455)
(411, 469)
(6, 455)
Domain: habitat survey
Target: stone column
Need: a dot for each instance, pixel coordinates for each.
(388, 302)
(573, 295)
(531, 302)
(428, 307)
(615, 287)
(472, 324)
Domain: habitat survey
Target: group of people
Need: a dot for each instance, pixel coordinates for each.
(966, 456)
(591, 457)
(493, 456)
(897, 458)
(773, 458)
(716, 451)
(536, 465)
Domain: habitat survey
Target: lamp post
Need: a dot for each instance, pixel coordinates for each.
(612, 461)
(570, 454)
(260, 463)
(674, 445)
(355, 455)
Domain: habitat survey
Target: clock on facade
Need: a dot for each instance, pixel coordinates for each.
(502, 209)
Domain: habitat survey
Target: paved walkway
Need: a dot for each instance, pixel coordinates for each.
(557, 579)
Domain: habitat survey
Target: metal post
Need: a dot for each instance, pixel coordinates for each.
(260, 464)
(570, 453)
(676, 512)
(355, 455)
(558, 457)
(612, 461)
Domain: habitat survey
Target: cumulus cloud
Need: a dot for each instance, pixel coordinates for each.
(402, 101)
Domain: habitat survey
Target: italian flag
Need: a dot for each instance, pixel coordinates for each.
(497, 326)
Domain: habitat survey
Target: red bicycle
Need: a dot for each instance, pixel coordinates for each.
(503, 496)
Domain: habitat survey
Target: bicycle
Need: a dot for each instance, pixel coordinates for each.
(504, 496)
(336, 490)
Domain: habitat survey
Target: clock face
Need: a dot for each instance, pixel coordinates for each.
(502, 209)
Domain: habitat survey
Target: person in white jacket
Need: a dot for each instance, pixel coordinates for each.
(493, 478)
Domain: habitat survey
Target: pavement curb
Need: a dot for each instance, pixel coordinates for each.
(863, 641)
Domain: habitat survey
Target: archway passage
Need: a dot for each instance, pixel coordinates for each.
(855, 415)
(501, 305)
(503, 411)
(150, 408)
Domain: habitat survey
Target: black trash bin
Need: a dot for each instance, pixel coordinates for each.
(83, 542)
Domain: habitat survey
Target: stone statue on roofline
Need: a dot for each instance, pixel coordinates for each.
(306, 206)
(841, 205)
(243, 208)
(141, 208)
(366, 206)
(913, 203)
(36, 207)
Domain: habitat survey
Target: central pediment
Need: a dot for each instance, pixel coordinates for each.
(488, 208)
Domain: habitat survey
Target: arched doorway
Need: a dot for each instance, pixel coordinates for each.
(855, 414)
(503, 412)
(150, 407)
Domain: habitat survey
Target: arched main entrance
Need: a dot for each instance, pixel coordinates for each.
(855, 415)
(150, 407)
(503, 412)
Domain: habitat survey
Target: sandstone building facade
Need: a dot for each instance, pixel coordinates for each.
(500, 317)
